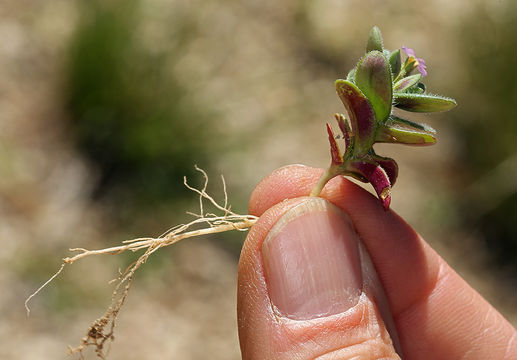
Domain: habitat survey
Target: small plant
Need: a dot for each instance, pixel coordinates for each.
(379, 82)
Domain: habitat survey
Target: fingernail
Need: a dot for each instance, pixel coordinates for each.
(311, 260)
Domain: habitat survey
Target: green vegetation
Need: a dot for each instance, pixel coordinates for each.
(138, 125)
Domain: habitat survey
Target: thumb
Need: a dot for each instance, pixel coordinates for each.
(308, 289)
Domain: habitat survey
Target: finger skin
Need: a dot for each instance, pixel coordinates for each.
(264, 334)
(437, 314)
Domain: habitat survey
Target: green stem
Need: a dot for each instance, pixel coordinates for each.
(327, 175)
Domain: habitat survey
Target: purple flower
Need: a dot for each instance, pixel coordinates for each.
(419, 63)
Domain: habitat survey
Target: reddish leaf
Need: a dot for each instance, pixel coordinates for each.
(376, 176)
(360, 113)
(345, 129)
(390, 167)
(337, 159)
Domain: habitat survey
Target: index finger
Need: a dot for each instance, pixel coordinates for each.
(437, 314)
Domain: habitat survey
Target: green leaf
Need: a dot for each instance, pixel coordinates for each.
(407, 82)
(423, 102)
(386, 53)
(351, 75)
(374, 40)
(360, 113)
(397, 130)
(373, 77)
(396, 121)
(395, 62)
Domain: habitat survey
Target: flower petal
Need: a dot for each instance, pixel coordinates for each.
(422, 67)
(409, 51)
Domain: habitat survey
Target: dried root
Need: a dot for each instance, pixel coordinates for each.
(101, 331)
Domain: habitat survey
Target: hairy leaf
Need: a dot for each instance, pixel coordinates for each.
(360, 113)
(373, 77)
(395, 62)
(407, 82)
(423, 102)
(401, 131)
(374, 40)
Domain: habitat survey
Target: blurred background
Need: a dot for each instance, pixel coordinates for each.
(106, 104)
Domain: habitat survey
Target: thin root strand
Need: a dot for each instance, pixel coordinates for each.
(101, 331)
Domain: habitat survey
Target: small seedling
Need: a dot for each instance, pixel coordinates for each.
(379, 82)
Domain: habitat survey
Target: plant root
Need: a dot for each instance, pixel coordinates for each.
(101, 331)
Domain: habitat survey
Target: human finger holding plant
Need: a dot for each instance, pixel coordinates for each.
(336, 275)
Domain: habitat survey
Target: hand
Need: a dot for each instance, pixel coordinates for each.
(343, 279)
